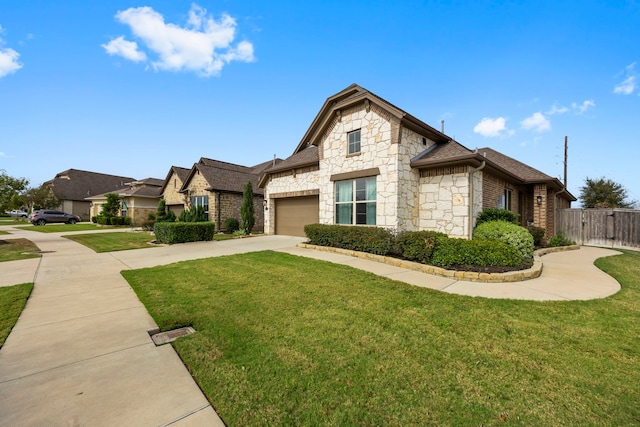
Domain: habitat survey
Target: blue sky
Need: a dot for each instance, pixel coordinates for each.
(133, 88)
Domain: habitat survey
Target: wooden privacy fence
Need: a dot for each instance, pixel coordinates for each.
(611, 228)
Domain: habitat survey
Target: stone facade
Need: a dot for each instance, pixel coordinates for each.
(405, 200)
(174, 200)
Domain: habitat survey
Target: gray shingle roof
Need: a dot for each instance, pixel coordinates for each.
(75, 184)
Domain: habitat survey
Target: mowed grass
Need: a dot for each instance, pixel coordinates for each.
(60, 228)
(12, 301)
(284, 340)
(14, 249)
(116, 241)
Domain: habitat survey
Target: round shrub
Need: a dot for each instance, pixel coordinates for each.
(417, 245)
(537, 233)
(512, 234)
(489, 215)
(231, 225)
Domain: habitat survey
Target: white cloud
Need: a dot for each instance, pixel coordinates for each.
(126, 49)
(9, 62)
(537, 122)
(557, 110)
(629, 84)
(492, 127)
(589, 103)
(204, 45)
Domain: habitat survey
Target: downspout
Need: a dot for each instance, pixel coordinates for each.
(219, 224)
(471, 192)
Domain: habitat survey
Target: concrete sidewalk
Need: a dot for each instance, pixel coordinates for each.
(81, 354)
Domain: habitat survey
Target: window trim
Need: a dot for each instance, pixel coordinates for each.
(350, 144)
(355, 204)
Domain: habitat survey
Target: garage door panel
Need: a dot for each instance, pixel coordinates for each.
(293, 213)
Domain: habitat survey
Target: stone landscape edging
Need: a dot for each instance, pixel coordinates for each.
(471, 276)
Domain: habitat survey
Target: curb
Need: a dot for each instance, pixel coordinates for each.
(512, 276)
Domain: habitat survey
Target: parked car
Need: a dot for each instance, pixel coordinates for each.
(45, 216)
(17, 213)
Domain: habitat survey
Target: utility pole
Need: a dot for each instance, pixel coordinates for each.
(566, 148)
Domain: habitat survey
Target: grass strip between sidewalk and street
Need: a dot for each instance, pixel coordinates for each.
(12, 302)
(286, 340)
(116, 241)
(16, 249)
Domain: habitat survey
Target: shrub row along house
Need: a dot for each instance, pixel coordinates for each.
(362, 161)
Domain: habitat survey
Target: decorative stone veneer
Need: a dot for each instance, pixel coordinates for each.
(171, 193)
(444, 204)
(389, 147)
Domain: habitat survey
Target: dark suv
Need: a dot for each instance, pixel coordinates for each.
(44, 216)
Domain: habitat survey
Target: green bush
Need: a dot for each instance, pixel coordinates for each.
(374, 240)
(560, 240)
(538, 235)
(417, 245)
(94, 219)
(196, 214)
(489, 215)
(181, 232)
(512, 234)
(231, 225)
(466, 254)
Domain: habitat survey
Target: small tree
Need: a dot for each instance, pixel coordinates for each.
(604, 193)
(246, 211)
(112, 206)
(164, 215)
(10, 191)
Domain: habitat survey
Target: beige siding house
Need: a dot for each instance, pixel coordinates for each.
(364, 161)
(139, 199)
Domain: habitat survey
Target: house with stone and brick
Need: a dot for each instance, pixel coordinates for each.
(364, 161)
(216, 186)
(139, 198)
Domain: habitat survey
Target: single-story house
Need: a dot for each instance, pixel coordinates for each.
(139, 199)
(364, 161)
(73, 186)
(218, 187)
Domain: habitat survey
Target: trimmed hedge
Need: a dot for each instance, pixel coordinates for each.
(465, 254)
(231, 225)
(181, 232)
(512, 234)
(374, 240)
(417, 245)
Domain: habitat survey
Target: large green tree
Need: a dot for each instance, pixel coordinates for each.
(11, 190)
(41, 198)
(246, 210)
(604, 193)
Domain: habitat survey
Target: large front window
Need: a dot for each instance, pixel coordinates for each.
(200, 201)
(356, 201)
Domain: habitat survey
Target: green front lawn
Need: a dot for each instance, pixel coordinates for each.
(14, 249)
(285, 340)
(12, 301)
(116, 241)
(59, 228)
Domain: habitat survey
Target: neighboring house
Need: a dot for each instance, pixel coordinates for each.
(170, 191)
(216, 186)
(73, 186)
(139, 199)
(364, 161)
